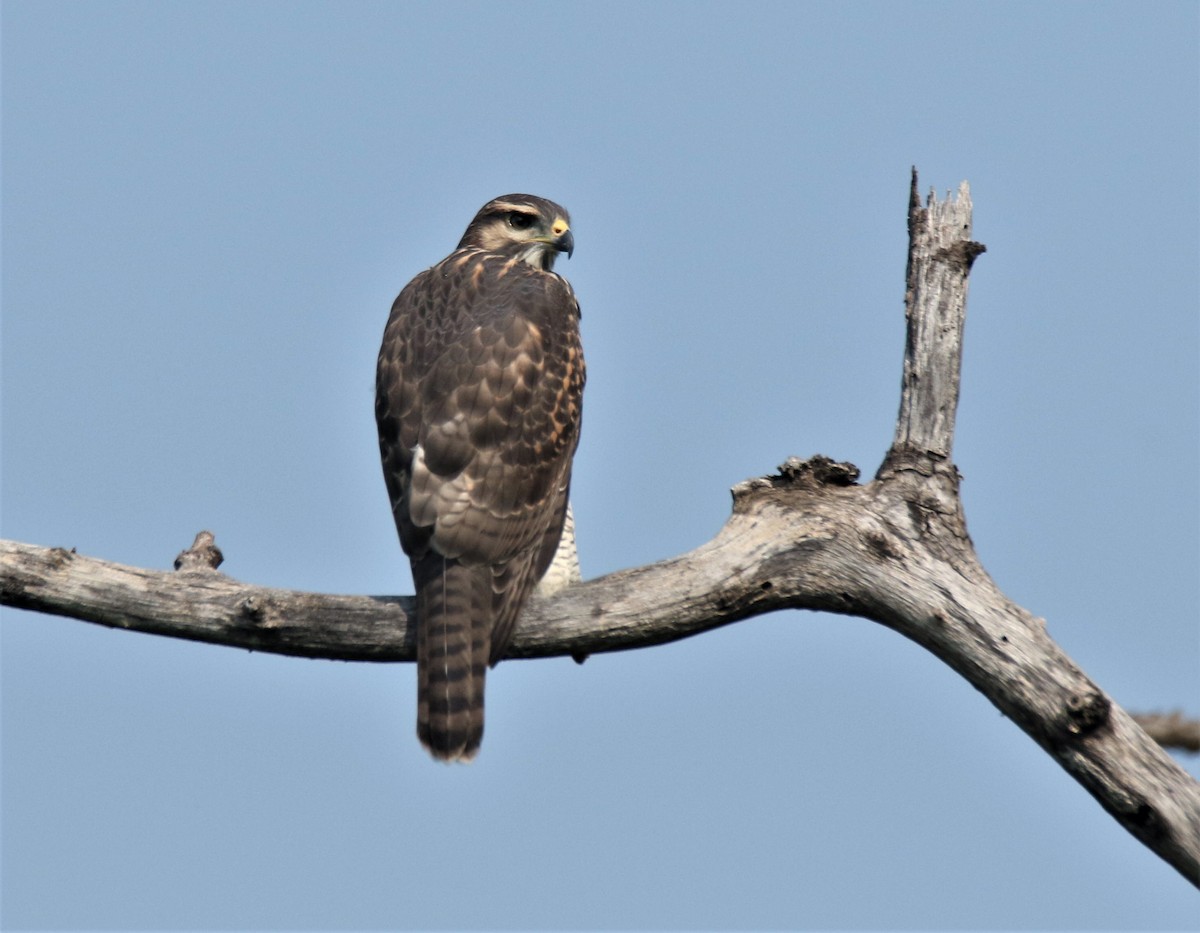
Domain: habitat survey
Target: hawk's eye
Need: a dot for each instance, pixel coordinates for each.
(520, 221)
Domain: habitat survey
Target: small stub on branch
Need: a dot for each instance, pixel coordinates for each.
(202, 555)
(962, 253)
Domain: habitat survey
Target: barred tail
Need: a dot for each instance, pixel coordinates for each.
(454, 622)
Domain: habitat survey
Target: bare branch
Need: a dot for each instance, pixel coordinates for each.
(940, 255)
(894, 550)
(799, 540)
(1171, 730)
(200, 604)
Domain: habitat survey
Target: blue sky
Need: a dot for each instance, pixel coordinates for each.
(207, 211)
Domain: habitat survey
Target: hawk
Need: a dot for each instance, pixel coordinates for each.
(479, 388)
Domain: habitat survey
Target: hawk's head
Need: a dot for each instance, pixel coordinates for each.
(533, 229)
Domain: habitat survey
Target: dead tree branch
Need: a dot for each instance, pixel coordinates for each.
(1171, 730)
(894, 550)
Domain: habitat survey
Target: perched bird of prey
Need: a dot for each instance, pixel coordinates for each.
(478, 395)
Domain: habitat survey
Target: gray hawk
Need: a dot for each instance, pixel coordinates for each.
(478, 395)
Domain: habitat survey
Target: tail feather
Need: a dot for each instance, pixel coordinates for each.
(454, 613)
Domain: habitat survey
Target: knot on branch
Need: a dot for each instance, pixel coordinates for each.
(1087, 712)
(818, 472)
(258, 612)
(202, 555)
(61, 556)
(252, 608)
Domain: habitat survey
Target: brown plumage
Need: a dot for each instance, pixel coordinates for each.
(478, 394)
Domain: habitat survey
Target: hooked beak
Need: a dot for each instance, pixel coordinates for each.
(564, 243)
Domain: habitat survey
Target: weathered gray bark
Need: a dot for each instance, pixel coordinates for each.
(894, 550)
